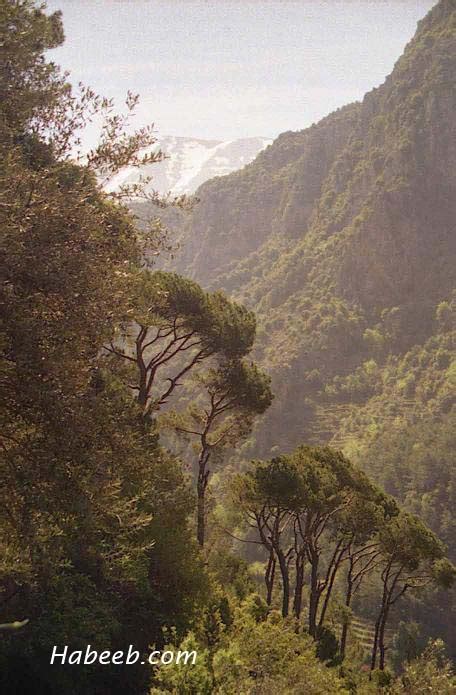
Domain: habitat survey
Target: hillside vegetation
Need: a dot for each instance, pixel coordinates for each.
(161, 493)
(341, 238)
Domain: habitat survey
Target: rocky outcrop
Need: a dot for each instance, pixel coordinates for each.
(341, 236)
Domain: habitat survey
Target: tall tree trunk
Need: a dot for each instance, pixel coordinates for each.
(375, 645)
(381, 637)
(344, 634)
(203, 476)
(269, 576)
(330, 584)
(142, 389)
(285, 582)
(383, 609)
(299, 584)
(314, 597)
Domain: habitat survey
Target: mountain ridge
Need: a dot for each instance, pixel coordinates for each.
(341, 236)
(189, 162)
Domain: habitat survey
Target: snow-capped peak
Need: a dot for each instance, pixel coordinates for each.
(190, 162)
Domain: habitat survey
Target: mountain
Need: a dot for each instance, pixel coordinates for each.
(341, 236)
(190, 161)
(342, 239)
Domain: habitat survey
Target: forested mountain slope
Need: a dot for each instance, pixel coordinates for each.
(341, 237)
(128, 527)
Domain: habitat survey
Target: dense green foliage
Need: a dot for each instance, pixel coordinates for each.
(318, 517)
(341, 238)
(95, 532)
(94, 526)
(106, 364)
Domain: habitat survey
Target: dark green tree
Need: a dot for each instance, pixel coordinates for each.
(231, 396)
(86, 517)
(413, 557)
(266, 497)
(171, 327)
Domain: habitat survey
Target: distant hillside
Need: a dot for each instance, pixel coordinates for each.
(341, 236)
(190, 161)
(342, 239)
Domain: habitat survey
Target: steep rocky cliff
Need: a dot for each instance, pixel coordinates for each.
(341, 237)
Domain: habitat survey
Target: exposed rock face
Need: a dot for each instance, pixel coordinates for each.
(376, 181)
(342, 238)
(341, 234)
(272, 197)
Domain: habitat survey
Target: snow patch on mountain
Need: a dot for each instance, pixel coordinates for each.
(190, 162)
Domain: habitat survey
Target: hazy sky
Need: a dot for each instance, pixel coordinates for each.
(225, 69)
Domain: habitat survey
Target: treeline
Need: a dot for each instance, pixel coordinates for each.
(94, 534)
(316, 514)
(97, 537)
(106, 535)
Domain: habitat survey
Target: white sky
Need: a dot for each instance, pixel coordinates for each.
(224, 69)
